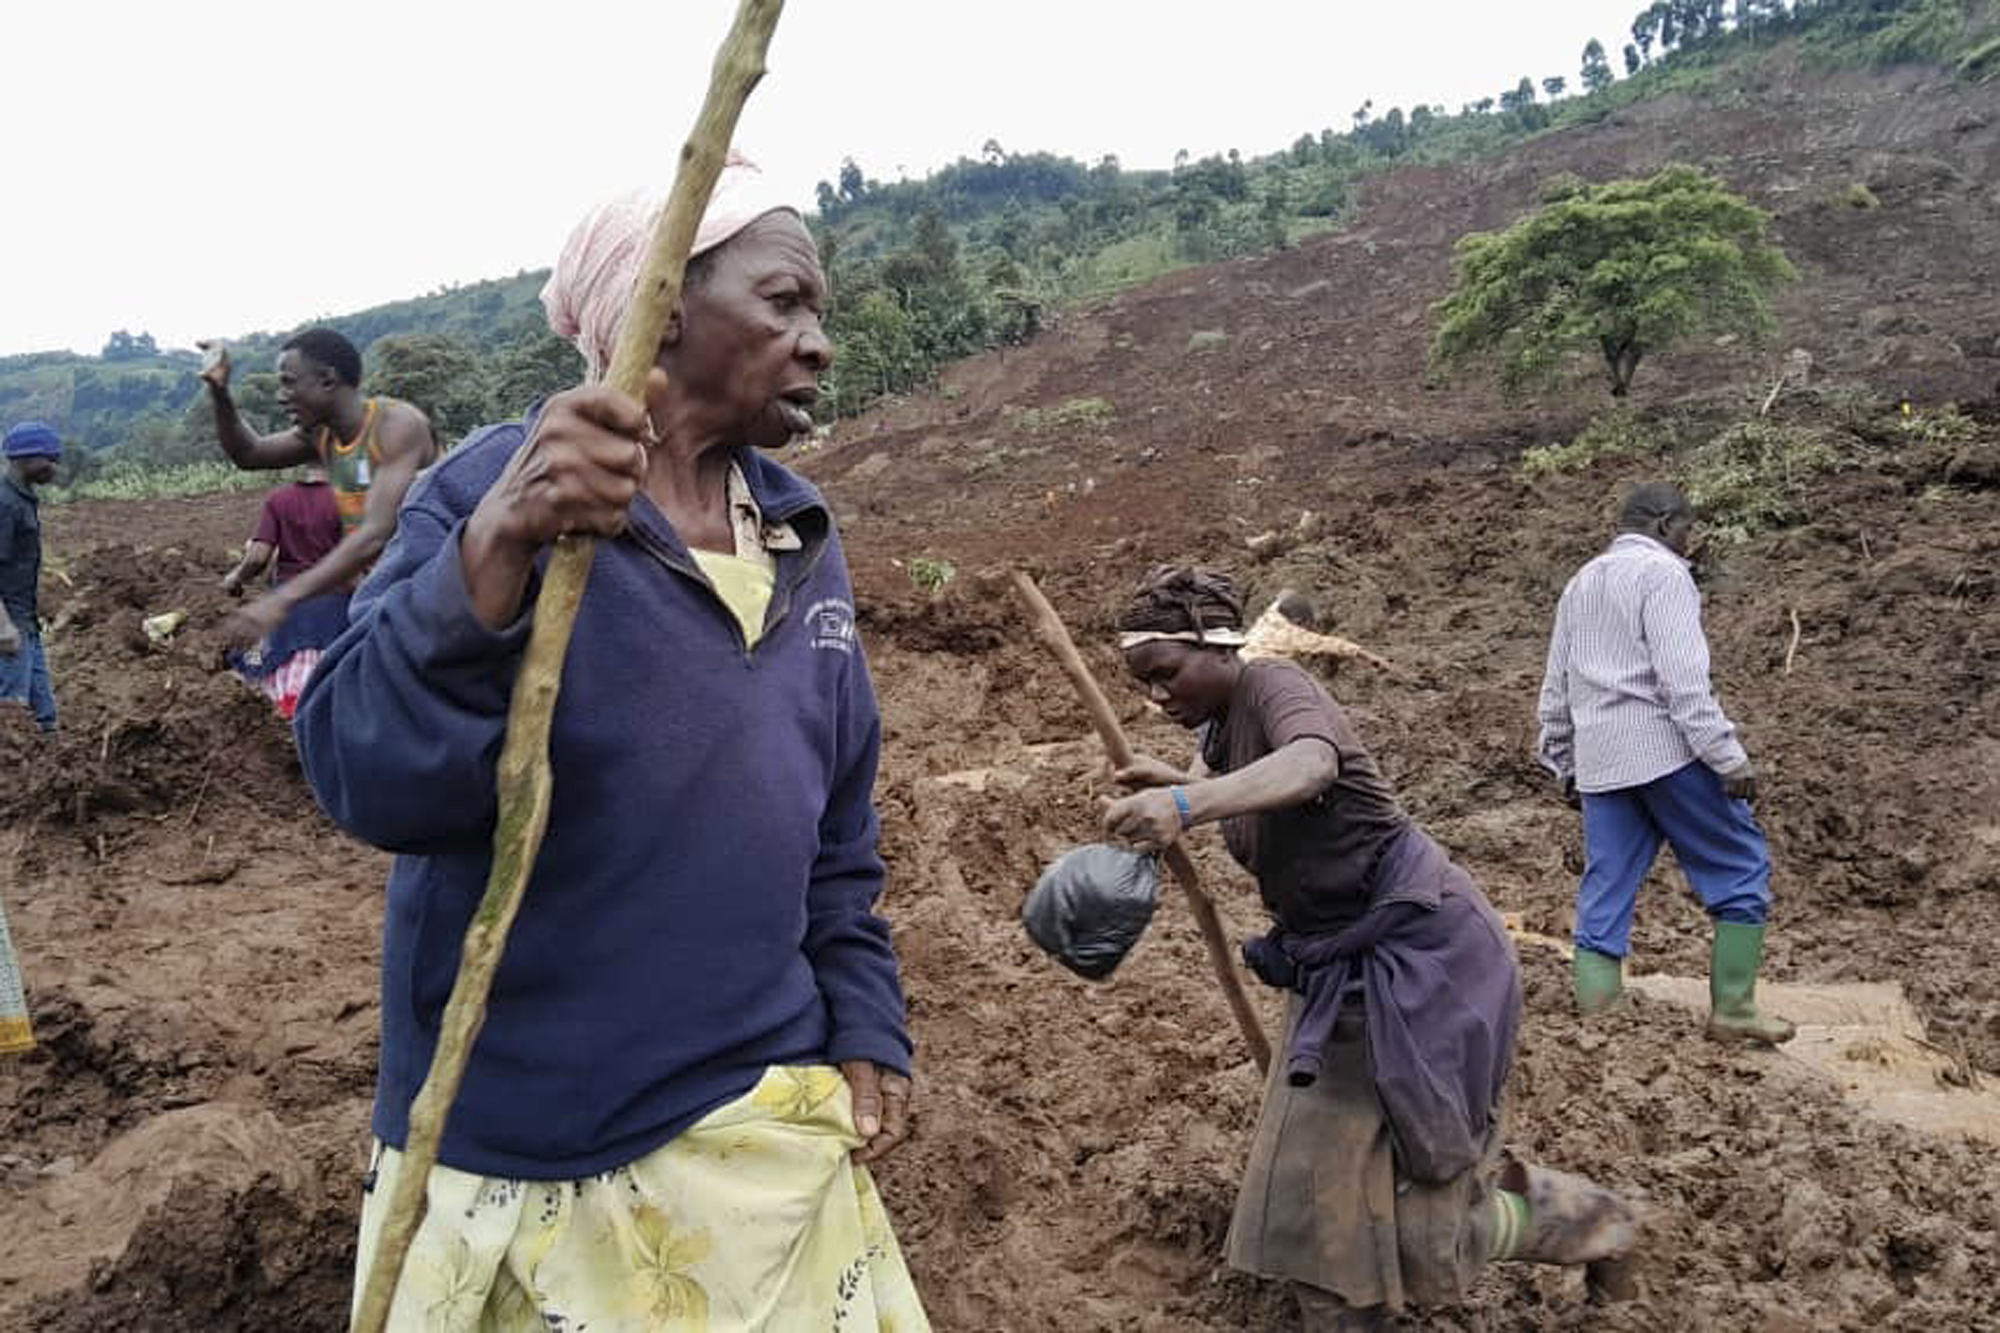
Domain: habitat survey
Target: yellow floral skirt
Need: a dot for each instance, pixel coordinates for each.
(16, 1032)
(755, 1218)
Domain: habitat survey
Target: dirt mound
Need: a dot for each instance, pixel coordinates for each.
(210, 1217)
(151, 726)
(264, 1257)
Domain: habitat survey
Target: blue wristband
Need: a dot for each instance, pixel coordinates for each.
(1181, 804)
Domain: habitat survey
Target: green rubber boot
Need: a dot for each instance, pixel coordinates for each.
(1599, 980)
(1732, 988)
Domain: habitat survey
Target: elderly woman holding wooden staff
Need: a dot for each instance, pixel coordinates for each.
(1376, 1179)
(696, 1038)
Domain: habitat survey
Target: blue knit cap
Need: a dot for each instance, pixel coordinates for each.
(33, 439)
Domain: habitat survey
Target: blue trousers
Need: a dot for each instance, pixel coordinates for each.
(1716, 840)
(24, 679)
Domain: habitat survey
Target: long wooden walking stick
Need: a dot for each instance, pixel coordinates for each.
(1050, 630)
(524, 781)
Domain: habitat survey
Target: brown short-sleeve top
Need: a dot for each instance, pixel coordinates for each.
(1313, 861)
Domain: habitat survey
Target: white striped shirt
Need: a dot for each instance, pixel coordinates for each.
(1626, 697)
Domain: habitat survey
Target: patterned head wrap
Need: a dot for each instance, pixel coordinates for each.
(590, 289)
(1183, 605)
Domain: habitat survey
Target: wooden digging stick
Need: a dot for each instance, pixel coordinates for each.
(1051, 631)
(524, 781)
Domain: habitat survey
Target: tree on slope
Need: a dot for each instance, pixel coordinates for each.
(1597, 74)
(1620, 269)
(435, 372)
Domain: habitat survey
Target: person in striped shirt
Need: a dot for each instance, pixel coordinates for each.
(1631, 728)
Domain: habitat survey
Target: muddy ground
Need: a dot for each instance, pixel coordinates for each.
(183, 1151)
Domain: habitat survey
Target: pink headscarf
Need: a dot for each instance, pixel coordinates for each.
(590, 288)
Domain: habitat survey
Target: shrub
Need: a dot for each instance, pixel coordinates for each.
(930, 574)
(1619, 433)
(1074, 415)
(1753, 476)
(1945, 425)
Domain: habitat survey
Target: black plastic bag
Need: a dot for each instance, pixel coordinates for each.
(1091, 906)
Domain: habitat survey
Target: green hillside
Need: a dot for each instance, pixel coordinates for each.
(979, 253)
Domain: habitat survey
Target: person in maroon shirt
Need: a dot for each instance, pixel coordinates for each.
(299, 525)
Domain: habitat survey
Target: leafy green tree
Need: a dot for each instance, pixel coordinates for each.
(853, 185)
(1596, 73)
(878, 351)
(935, 246)
(945, 317)
(1667, 23)
(123, 346)
(1520, 104)
(1633, 62)
(435, 372)
(257, 403)
(531, 369)
(1554, 85)
(1271, 220)
(1645, 28)
(1017, 307)
(1387, 137)
(1753, 15)
(1620, 269)
(159, 441)
(1011, 230)
(1196, 211)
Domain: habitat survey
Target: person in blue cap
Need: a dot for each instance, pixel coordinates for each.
(32, 449)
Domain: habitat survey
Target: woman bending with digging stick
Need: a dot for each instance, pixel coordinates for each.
(1376, 1177)
(696, 1039)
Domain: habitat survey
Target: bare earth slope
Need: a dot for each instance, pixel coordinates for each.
(184, 1150)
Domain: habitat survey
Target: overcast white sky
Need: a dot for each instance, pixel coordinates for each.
(225, 167)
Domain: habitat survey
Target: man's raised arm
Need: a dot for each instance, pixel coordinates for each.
(245, 447)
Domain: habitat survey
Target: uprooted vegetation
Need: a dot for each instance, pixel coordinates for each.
(1748, 475)
(1758, 474)
(1620, 433)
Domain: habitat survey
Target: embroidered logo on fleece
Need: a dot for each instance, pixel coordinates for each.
(832, 624)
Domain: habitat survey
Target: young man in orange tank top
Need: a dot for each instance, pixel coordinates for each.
(373, 449)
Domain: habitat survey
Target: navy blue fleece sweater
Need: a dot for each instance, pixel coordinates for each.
(704, 902)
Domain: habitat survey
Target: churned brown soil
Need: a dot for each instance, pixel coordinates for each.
(183, 1151)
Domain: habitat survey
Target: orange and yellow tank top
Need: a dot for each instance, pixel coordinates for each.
(350, 465)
